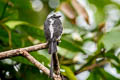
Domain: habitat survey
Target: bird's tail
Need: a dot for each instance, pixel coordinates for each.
(52, 47)
(54, 58)
(52, 50)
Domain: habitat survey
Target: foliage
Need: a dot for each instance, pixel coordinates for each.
(21, 25)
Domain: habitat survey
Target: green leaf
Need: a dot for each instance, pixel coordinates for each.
(117, 67)
(16, 39)
(2, 4)
(100, 14)
(32, 73)
(13, 24)
(3, 36)
(9, 68)
(67, 44)
(26, 12)
(66, 53)
(27, 29)
(33, 31)
(37, 56)
(106, 75)
(70, 28)
(111, 55)
(99, 3)
(68, 73)
(22, 4)
(111, 40)
(94, 75)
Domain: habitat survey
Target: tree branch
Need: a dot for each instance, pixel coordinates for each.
(15, 52)
(35, 62)
(102, 51)
(92, 66)
(24, 52)
(39, 65)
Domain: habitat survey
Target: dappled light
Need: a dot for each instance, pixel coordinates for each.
(89, 48)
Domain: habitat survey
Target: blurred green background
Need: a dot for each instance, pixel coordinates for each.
(90, 44)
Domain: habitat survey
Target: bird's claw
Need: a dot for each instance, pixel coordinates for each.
(58, 40)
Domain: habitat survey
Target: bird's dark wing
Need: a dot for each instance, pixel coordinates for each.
(57, 28)
(46, 29)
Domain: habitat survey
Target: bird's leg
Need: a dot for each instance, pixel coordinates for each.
(58, 41)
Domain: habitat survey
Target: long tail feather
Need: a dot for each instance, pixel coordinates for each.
(51, 68)
(52, 47)
(52, 51)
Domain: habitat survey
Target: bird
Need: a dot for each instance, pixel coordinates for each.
(53, 30)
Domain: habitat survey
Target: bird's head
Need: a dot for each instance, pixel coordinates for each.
(54, 16)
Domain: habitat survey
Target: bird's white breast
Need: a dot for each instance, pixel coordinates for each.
(51, 28)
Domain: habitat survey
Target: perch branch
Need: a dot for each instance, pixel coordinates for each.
(15, 52)
(24, 52)
(39, 65)
(35, 62)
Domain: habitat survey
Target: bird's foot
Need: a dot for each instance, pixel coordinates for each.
(58, 41)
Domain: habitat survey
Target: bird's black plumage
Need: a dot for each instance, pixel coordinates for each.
(57, 25)
(53, 30)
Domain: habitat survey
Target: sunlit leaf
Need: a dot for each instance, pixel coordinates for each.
(70, 46)
(68, 73)
(111, 40)
(13, 24)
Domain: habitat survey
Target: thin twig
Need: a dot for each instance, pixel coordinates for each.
(9, 34)
(39, 65)
(15, 52)
(35, 62)
(97, 54)
(92, 66)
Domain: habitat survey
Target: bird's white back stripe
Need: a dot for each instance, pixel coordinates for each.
(51, 28)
